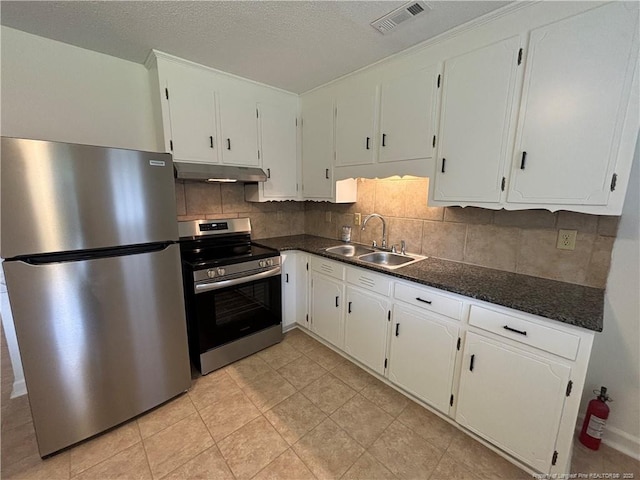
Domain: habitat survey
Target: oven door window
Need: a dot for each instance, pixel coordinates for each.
(230, 313)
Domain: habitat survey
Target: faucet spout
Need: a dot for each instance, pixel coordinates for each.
(384, 226)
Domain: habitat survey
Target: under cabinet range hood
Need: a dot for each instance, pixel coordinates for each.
(218, 173)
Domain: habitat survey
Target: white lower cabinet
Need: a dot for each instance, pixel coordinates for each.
(366, 327)
(327, 295)
(422, 355)
(295, 288)
(504, 375)
(512, 398)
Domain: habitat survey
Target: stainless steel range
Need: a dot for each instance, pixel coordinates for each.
(232, 292)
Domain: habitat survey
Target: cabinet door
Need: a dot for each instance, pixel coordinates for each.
(317, 148)
(366, 326)
(577, 81)
(512, 398)
(239, 128)
(193, 121)
(407, 116)
(326, 308)
(422, 355)
(289, 289)
(475, 123)
(356, 127)
(278, 147)
(302, 289)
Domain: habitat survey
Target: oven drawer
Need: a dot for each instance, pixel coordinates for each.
(327, 267)
(520, 330)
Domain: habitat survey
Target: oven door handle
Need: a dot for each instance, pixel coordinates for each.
(206, 287)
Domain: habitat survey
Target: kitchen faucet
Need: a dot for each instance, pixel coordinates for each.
(384, 228)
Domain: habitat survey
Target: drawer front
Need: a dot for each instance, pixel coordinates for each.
(428, 300)
(550, 340)
(370, 281)
(327, 267)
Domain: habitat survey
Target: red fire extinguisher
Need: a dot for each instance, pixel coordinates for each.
(594, 420)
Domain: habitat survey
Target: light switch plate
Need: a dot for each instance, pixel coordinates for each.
(567, 239)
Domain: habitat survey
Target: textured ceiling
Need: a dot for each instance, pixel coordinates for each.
(294, 45)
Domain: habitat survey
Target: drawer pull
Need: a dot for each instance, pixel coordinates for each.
(423, 301)
(473, 359)
(521, 332)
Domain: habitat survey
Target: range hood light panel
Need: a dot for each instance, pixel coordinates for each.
(221, 180)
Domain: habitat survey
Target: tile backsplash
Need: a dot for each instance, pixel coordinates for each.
(520, 241)
(515, 241)
(226, 200)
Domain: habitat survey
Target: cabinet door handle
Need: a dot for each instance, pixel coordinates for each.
(349, 307)
(268, 173)
(397, 329)
(211, 141)
(326, 173)
(384, 139)
(423, 300)
(444, 160)
(228, 144)
(521, 332)
(523, 161)
(473, 359)
(368, 143)
(286, 278)
(337, 304)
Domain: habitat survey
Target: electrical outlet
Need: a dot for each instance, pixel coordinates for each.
(357, 219)
(327, 216)
(567, 239)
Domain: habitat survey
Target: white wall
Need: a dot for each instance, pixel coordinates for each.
(54, 91)
(615, 359)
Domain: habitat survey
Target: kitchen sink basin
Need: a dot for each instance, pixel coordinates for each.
(349, 250)
(389, 259)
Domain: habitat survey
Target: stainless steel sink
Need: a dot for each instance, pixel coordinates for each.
(389, 259)
(349, 250)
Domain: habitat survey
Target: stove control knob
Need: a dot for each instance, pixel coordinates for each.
(262, 264)
(270, 262)
(211, 273)
(221, 271)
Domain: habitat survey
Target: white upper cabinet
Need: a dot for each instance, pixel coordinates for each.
(239, 130)
(209, 116)
(408, 116)
(475, 123)
(317, 148)
(568, 141)
(576, 91)
(278, 144)
(385, 126)
(317, 153)
(356, 122)
(192, 113)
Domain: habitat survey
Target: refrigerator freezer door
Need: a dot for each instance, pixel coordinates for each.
(59, 197)
(101, 340)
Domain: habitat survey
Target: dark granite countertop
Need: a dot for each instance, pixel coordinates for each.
(565, 302)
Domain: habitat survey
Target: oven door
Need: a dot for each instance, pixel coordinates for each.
(231, 309)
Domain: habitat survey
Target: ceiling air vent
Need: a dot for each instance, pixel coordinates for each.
(399, 15)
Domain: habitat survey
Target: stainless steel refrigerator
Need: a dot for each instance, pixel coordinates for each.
(93, 271)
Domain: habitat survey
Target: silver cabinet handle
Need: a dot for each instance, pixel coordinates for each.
(205, 287)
